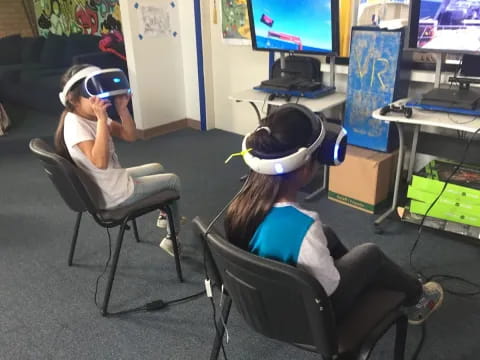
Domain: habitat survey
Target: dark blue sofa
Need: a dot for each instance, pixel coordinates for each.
(31, 68)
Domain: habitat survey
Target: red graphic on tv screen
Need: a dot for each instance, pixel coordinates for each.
(266, 20)
(287, 37)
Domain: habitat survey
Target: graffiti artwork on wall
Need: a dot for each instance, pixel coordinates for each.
(65, 17)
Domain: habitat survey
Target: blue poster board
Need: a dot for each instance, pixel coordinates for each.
(374, 80)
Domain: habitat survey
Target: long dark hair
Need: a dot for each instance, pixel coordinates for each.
(72, 97)
(290, 129)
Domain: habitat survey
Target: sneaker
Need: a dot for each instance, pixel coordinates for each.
(430, 301)
(162, 221)
(167, 245)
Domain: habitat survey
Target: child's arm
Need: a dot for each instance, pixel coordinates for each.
(127, 130)
(97, 150)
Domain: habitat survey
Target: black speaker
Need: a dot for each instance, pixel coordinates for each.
(470, 65)
(304, 67)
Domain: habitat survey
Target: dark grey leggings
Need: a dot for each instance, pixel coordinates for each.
(363, 267)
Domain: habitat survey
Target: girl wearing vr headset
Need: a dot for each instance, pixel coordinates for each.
(84, 136)
(266, 219)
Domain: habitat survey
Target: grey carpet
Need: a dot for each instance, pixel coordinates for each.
(47, 309)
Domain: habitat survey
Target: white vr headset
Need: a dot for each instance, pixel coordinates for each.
(103, 83)
(328, 148)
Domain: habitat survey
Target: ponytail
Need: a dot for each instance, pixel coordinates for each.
(59, 139)
(251, 207)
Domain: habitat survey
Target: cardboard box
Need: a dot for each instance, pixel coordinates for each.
(457, 212)
(453, 192)
(364, 180)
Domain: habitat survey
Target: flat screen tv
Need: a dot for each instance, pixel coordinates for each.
(450, 26)
(302, 26)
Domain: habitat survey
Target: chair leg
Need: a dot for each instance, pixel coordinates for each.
(74, 238)
(176, 254)
(400, 338)
(113, 268)
(217, 343)
(135, 230)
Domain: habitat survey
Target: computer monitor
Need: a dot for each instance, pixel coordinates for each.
(450, 26)
(306, 26)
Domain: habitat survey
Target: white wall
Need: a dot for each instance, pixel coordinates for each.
(235, 68)
(189, 58)
(156, 68)
(164, 76)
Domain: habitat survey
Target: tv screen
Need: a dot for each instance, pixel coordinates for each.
(451, 26)
(305, 26)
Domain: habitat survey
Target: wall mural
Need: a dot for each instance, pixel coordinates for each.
(65, 17)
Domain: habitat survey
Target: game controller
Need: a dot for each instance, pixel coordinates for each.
(407, 111)
(273, 96)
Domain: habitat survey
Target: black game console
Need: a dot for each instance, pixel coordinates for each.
(407, 111)
(460, 98)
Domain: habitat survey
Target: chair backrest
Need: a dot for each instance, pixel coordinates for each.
(78, 191)
(275, 299)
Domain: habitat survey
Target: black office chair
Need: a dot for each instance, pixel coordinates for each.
(288, 304)
(81, 194)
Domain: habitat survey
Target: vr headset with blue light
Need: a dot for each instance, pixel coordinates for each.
(103, 83)
(328, 148)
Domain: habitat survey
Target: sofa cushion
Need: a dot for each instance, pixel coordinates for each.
(32, 49)
(78, 44)
(41, 94)
(34, 73)
(53, 51)
(10, 72)
(10, 50)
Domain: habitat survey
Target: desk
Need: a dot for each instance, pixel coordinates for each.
(420, 117)
(255, 98)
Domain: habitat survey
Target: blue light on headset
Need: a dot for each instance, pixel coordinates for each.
(279, 168)
(116, 80)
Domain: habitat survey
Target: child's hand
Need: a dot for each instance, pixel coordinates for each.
(121, 101)
(99, 107)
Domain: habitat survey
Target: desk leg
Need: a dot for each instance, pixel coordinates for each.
(324, 185)
(398, 175)
(256, 111)
(413, 153)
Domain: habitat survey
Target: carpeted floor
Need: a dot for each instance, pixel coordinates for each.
(47, 309)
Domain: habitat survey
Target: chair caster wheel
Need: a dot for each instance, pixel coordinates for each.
(377, 229)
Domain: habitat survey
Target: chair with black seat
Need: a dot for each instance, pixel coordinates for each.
(81, 195)
(285, 303)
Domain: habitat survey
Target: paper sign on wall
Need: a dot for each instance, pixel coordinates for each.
(154, 20)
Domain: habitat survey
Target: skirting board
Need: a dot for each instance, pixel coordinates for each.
(168, 128)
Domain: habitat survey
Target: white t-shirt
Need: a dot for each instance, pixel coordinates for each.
(115, 183)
